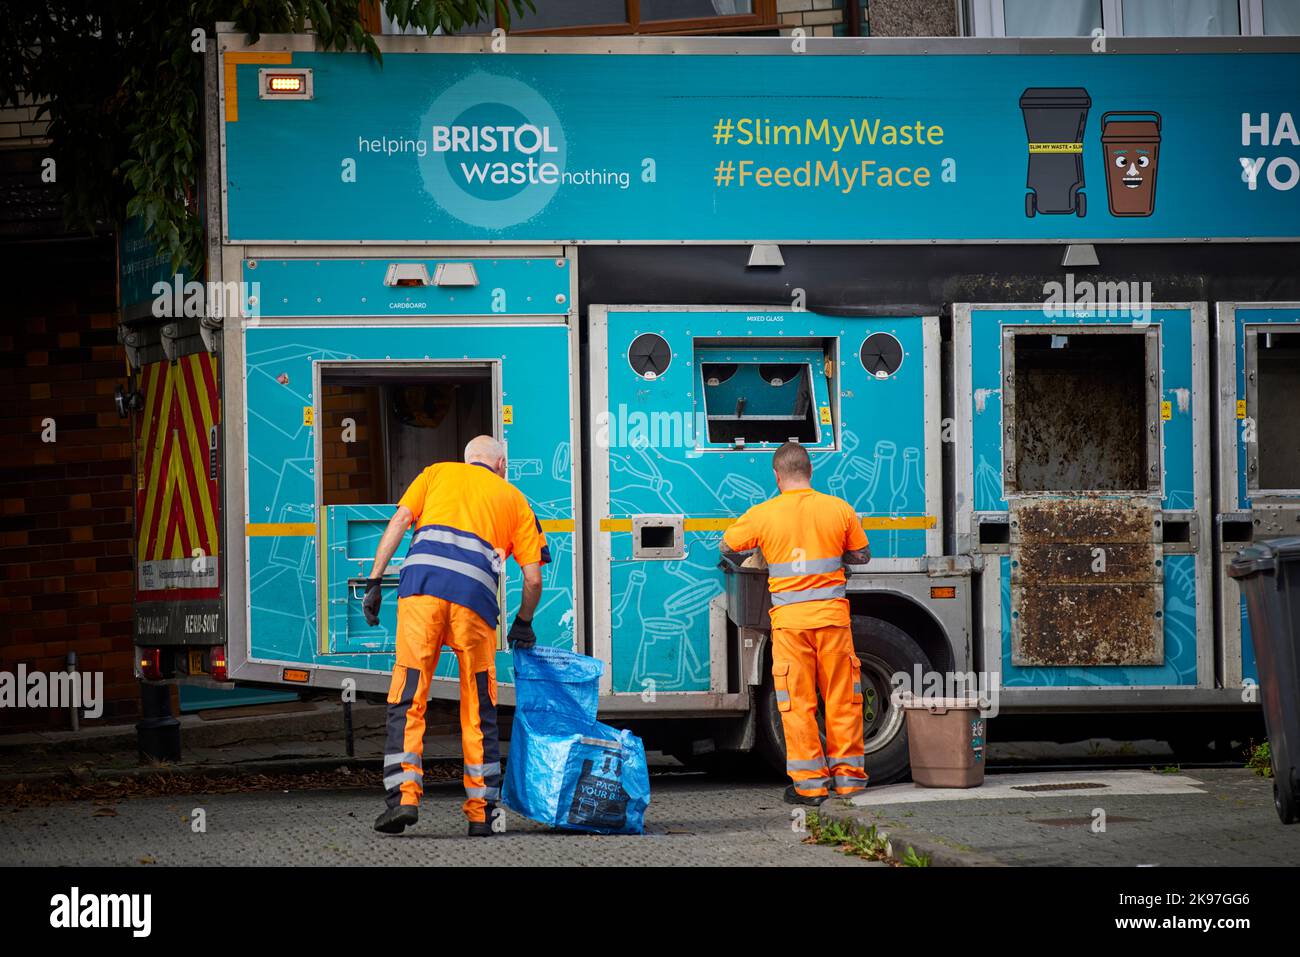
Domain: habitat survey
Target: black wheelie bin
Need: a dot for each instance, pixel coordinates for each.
(1055, 118)
(1269, 572)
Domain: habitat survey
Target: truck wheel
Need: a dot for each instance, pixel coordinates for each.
(883, 649)
(1284, 801)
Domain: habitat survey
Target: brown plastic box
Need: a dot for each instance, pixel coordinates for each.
(945, 738)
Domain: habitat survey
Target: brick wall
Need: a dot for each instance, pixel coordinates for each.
(65, 506)
(19, 126)
(352, 472)
(819, 18)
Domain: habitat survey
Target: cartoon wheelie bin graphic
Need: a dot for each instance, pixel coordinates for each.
(1131, 146)
(1055, 118)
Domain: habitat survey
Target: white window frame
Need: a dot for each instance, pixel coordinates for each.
(987, 18)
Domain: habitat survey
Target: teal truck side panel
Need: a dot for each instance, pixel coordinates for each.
(355, 287)
(285, 589)
(1177, 389)
(750, 145)
(1287, 319)
(869, 448)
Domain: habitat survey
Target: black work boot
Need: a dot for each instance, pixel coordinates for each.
(792, 796)
(480, 828)
(397, 819)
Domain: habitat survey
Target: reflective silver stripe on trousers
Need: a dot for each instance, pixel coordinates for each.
(849, 760)
(483, 770)
(395, 780)
(782, 696)
(464, 568)
(805, 566)
(812, 764)
(467, 542)
(812, 784)
(806, 594)
(491, 794)
(404, 757)
(841, 781)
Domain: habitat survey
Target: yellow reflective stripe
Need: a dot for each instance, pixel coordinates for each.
(271, 529)
(254, 529)
(230, 79)
(876, 522)
(188, 511)
(322, 557)
(899, 522)
(161, 545)
(203, 423)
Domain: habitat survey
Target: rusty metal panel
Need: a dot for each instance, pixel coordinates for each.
(1086, 582)
(1083, 564)
(1083, 519)
(1106, 624)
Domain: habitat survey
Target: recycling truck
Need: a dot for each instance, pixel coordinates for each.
(645, 263)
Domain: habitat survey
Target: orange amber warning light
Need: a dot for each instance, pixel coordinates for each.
(285, 83)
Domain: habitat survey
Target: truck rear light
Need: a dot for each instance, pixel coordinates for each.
(151, 664)
(217, 664)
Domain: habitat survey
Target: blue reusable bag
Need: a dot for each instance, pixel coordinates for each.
(565, 768)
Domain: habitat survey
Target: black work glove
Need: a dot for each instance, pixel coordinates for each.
(370, 604)
(521, 634)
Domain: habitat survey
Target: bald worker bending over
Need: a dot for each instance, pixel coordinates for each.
(468, 519)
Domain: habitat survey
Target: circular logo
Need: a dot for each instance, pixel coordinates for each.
(486, 167)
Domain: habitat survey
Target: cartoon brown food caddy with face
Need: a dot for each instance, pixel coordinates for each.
(1131, 145)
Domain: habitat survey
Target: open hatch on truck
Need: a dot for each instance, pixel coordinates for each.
(1275, 358)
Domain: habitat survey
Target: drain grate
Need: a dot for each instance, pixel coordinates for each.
(1075, 786)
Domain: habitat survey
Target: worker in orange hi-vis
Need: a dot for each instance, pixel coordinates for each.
(468, 519)
(807, 538)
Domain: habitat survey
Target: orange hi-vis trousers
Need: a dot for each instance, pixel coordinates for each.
(424, 625)
(805, 661)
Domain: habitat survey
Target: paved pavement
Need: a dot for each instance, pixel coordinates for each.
(226, 738)
(84, 800)
(692, 820)
(1209, 817)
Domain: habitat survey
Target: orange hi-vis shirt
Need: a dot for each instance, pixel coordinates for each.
(468, 520)
(803, 534)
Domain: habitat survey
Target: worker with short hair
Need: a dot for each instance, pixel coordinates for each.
(806, 538)
(468, 519)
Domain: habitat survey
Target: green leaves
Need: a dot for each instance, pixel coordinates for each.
(122, 87)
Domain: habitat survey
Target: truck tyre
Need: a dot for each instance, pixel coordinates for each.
(1284, 800)
(883, 649)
